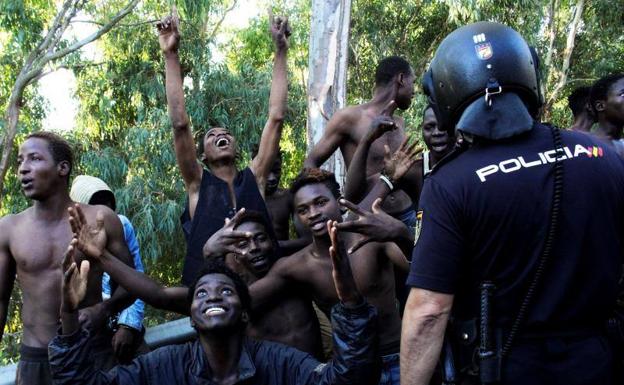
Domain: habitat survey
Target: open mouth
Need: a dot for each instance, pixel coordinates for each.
(319, 225)
(27, 183)
(222, 142)
(214, 310)
(258, 261)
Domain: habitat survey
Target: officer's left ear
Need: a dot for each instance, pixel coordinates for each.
(245, 317)
(64, 168)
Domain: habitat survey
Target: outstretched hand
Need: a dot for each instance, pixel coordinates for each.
(226, 239)
(383, 122)
(74, 284)
(168, 33)
(375, 226)
(397, 164)
(280, 30)
(91, 240)
(344, 282)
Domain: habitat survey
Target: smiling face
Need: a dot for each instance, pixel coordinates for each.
(257, 253)
(219, 145)
(39, 174)
(315, 205)
(435, 139)
(216, 305)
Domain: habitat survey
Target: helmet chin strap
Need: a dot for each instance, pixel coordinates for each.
(499, 115)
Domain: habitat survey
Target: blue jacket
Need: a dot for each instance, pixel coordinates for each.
(355, 362)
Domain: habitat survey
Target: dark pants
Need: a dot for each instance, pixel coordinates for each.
(564, 361)
(33, 367)
(557, 361)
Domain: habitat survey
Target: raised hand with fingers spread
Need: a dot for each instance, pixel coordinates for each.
(168, 33)
(397, 164)
(91, 240)
(226, 239)
(375, 226)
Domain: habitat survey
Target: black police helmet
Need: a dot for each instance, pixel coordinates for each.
(477, 57)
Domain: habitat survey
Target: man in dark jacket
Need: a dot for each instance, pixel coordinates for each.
(222, 354)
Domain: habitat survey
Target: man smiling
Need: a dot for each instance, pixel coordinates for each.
(222, 354)
(217, 193)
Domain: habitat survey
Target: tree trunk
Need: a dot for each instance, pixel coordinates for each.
(567, 54)
(329, 38)
(32, 70)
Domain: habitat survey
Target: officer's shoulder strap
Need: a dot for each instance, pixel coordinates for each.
(447, 158)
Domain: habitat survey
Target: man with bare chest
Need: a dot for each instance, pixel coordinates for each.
(315, 194)
(32, 244)
(250, 251)
(394, 81)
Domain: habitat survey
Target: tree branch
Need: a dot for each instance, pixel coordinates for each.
(119, 24)
(76, 46)
(552, 33)
(216, 28)
(567, 54)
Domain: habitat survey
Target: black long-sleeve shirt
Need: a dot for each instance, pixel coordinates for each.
(355, 359)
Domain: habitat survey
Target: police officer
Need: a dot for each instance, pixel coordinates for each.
(521, 235)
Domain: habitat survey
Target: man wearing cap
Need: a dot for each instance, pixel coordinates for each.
(128, 328)
(521, 230)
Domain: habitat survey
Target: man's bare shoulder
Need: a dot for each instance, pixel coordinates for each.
(346, 117)
(9, 222)
(294, 263)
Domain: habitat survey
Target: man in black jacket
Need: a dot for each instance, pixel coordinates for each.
(222, 354)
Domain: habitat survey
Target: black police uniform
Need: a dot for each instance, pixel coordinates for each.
(485, 214)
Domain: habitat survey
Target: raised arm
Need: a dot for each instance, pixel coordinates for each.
(183, 143)
(355, 186)
(138, 284)
(272, 132)
(7, 273)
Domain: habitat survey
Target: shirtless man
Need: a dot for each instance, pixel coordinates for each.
(217, 193)
(607, 100)
(438, 142)
(289, 320)
(316, 195)
(394, 80)
(32, 244)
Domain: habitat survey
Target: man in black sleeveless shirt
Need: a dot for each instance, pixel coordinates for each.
(217, 193)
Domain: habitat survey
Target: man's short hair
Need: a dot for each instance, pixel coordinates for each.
(389, 67)
(59, 148)
(578, 100)
(217, 266)
(256, 217)
(313, 176)
(600, 89)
